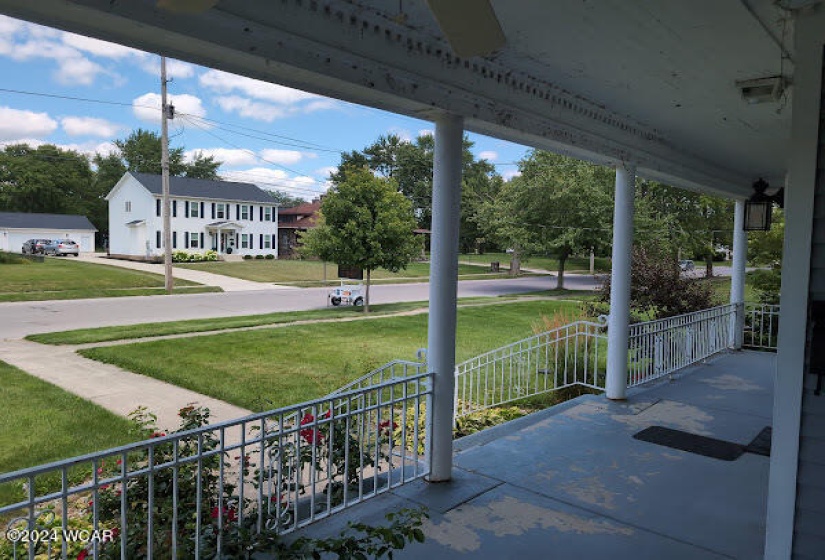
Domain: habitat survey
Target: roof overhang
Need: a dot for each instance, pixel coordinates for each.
(650, 83)
(224, 225)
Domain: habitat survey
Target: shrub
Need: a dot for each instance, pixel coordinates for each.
(259, 257)
(247, 257)
(11, 258)
(270, 256)
(658, 289)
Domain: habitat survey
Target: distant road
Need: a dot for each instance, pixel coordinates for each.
(18, 319)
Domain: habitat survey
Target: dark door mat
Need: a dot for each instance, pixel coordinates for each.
(761, 444)
(692, 443)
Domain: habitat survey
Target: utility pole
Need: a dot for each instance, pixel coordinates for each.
(164, 165)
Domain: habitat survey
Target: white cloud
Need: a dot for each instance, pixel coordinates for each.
(510, 173)
(284, 157)
(251, 109)
(98, 47)
(175, 69)
(147, 107)
(489, 155)
(325, 172)
(229, 157)
(89, 126)
(223, 82)
(402, 133)
(426, 132)
(15, 123)
(278, 179)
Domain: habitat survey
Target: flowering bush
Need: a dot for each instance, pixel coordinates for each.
(186, 256)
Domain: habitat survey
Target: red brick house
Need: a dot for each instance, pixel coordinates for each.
(292, 221)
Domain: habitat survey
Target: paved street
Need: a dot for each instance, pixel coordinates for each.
(18, 319)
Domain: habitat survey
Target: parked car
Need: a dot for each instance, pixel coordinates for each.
(34, 246)
(59, 247)
(686, 265)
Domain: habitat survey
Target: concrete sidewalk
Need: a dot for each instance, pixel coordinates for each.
(226, 283)
(108, 386)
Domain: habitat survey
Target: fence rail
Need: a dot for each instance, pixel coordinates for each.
(210, 491)
(570, 355)
(658, 348)
(761, 326)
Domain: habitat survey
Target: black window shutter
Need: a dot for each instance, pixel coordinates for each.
(174, 240)
(237, 242)
(185, 239)
(213, 210)
(261, 240)
(274, 213)
(174, 208)
(186, 209)
(202, 245)
(157, 207)
(237, 211)
(274, 241)
(202, 214)
(261, 213)
(157, 239)
(251, 213)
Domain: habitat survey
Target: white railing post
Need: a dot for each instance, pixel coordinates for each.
(737, 283)
(618, 328)
(449, 146)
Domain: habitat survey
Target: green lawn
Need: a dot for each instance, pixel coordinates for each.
(276, 367)
(573, 264)
(42, 423)
(311, 273)
(64, 278)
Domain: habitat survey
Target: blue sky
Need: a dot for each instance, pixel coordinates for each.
(277, 137)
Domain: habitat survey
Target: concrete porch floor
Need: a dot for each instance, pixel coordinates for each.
(571, 482)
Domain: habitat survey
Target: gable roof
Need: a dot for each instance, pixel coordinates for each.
(23, 220)
(204, 188)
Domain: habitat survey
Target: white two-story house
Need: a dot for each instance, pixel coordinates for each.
(227, 217)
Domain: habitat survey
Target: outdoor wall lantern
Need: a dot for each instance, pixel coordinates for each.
(759, 207)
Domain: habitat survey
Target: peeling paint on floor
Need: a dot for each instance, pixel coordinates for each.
(591, 490)
(730, 382)
(670, 413)
(507, 517)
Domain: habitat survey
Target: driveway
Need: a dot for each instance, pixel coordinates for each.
(23, 318)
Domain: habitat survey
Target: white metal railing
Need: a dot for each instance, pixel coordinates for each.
(570, 355)
(660, 347)
(209, 491)
(761, 326)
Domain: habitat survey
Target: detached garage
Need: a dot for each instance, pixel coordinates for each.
(17, 227)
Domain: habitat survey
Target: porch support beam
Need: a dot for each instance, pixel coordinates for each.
(449, 142)
(794, 293)
(618, 325)
(737, 283)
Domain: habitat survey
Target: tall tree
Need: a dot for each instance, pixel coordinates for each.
(141, 152)
(558, 205)
(49, 179)
(365, 223)
(285, 199)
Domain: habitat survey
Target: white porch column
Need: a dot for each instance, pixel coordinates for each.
(618, 324)
(796, 266)
(737, 283)
(449, 145)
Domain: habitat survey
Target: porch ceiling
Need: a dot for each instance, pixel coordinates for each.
(647, 81)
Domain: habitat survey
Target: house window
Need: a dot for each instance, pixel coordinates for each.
(220, 211)
(128, 205)
(193, 239)
(267, 242)
(268, 214)
(244, 212)
(193, 210)
(244, 241)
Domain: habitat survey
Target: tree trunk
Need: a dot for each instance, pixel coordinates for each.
(367, 293)
(515, 262)
(560, 280)
(709, 267)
